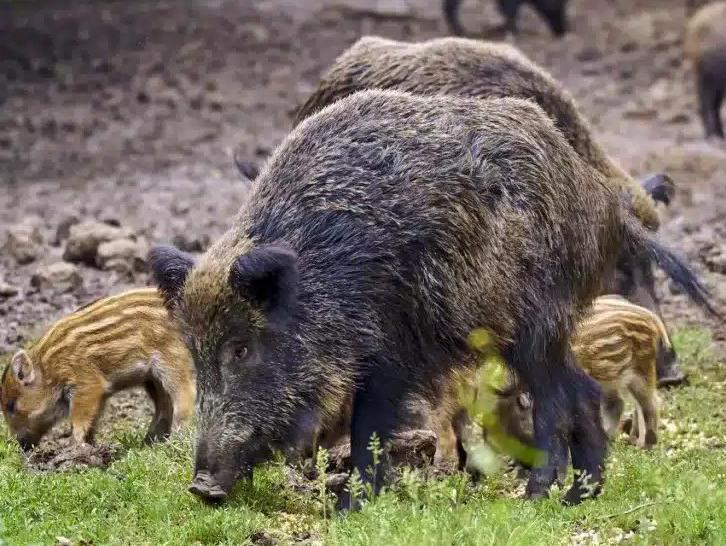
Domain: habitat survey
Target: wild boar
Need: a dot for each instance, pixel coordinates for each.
(554, 12)
(705, 47)
(469, 68)
(381, 232)
(112, 344)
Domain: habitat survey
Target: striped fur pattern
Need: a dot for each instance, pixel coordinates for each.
(112, 344)
(616, 343)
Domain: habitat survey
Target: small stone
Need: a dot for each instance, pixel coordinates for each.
(716, 261)
(122, 256)
(415, 448)
(84, 239)
(191, 242)
(8, 290)
(335, 483)
(64, 228)
(181, 208)
(24, 242)
(59, 277)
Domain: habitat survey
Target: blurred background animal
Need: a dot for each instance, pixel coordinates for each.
(553, 12)
(705, 47)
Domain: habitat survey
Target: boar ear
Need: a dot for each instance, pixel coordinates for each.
(170, 267)
(267, 276)
(660, 187)
(23, 369)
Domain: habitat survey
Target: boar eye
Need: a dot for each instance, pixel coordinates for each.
(10, 407)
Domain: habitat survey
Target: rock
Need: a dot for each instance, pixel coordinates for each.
(191, 242)
(339, 459)
(122, 256)
(84, 239)
(415, 448)
(64, 228)
(181, 207)
(8, 290)
(24, 242)
(716, 261)
(59, 277)
(335, 483)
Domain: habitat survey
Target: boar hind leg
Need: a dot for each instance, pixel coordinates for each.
(509, 10)
(566, 409)
(451, 14)
(160, 426)
(647, 412)
(86, 406)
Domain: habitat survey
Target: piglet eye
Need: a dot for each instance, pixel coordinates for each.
(10, 407)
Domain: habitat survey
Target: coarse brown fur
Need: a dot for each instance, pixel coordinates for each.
(705, 47)
(381, 232)
(115, 343)
(616, 343)
(474, 69)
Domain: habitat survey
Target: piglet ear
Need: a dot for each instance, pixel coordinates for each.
(660, 187)
(267, 276)
(170, 267)
(22, 368)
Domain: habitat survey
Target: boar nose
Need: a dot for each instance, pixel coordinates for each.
(206, 486)
(668, 371)
(27, 443)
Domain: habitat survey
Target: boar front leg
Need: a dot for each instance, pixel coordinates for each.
(376, 410)
(86, 406)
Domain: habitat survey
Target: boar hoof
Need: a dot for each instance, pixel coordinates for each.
(206, 487)
(579, 493)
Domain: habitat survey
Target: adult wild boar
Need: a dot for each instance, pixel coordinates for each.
(469, 68)
(380, 233)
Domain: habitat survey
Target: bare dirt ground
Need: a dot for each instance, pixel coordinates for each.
(130, 112)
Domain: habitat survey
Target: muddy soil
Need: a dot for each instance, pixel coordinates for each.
(131, 112)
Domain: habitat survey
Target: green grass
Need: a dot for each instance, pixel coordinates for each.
(674, 494)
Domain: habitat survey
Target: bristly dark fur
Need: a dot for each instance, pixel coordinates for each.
(413, 220)
(471, 68)
(268, 277)
(475, 69)
(169, 267)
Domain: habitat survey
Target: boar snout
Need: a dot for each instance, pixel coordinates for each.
(207, 487)
(27, 442)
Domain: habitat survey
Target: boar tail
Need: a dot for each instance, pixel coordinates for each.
(642, 242)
